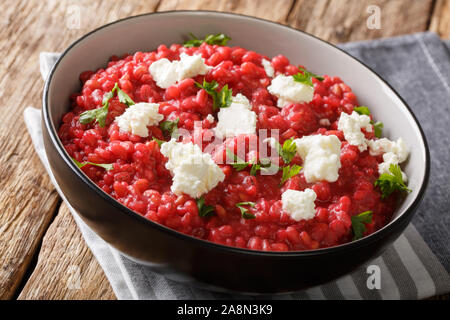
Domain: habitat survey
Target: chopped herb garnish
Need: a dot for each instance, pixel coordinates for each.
(159, 142)
(209, 87)
(389, 183)
(238, 164)
(378, 128)
(255, 167)
(244, 211)
(106, 166)
(287, 151)
(170, 127)
(219, 39)
(358, 224)
(305, 77)
(362, 110)
(320, 78)
(100, 114)
(123, 97)
(109, 95)
(260, 165)
(289, 172)
(222, 98)
(204, 210)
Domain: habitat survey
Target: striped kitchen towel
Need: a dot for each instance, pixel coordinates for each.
(416, 266)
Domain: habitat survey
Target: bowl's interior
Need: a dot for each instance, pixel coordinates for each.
(146, 33)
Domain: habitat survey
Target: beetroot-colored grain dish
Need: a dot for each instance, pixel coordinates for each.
(234, 147)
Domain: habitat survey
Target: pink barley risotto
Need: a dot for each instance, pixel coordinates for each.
(234, 147)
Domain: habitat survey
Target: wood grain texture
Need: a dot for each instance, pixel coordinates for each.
(346, 20)
(271, 10)
(66, 268)
(27, 199)
(440, 19)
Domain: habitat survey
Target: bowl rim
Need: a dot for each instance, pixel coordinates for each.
(367, 240)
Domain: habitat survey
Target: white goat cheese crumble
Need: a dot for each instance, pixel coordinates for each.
(194, 172)
(394, 152)
(137, 117)
(383, 145)
(299, 205)
(351, 126)
(236, 119)
(167, 73)
(287, 90)
(321, 157)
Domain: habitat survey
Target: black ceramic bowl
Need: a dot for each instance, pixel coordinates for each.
(205, 263)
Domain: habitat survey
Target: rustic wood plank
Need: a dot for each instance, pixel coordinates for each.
(27, 199)
(66, 268)
(440, 19)
(27, 209)
(346, 20)
(35, 27)
(272, 10)
(332, 20)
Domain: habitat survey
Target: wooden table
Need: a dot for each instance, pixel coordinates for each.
(42, 253)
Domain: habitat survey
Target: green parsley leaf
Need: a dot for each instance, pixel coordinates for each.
(170, 127)
(204, 210)
(389, 183)
(89, 115)
(238, 164)
(287, 151)
(78, 163)
(219, 39)
(193, 42)
(124, 98)
(255, 167)
(260, 165)
(358, 224)
(106, 166)
(320, 78)
(305, 77)
(109, 95)
(159, 142)
(209, 87)
(289, 172)
(100, 114)
(222, 98)
(362, 110)
(244, 211)
(378, 128)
